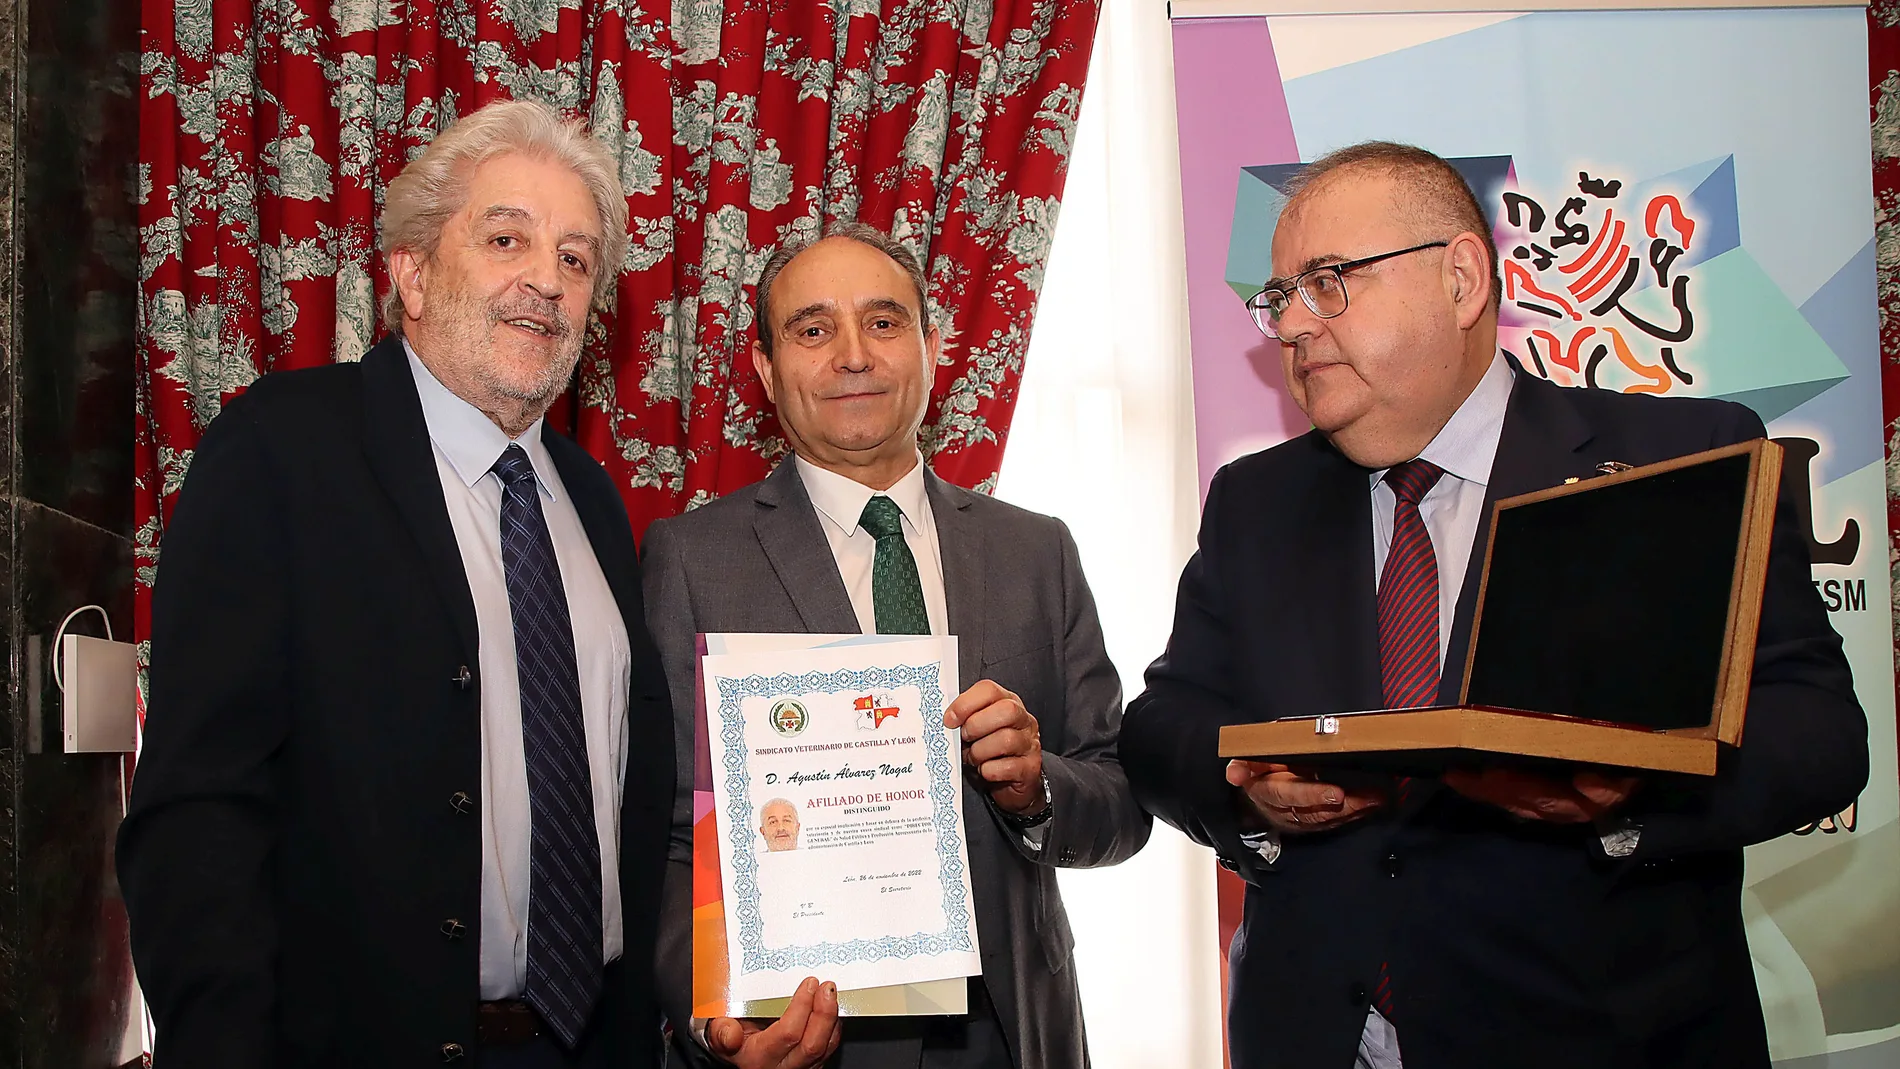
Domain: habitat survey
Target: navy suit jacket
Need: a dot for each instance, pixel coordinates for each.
(302, 858)
(1508, 942)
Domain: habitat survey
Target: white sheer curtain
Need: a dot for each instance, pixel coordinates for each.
(1104, 438)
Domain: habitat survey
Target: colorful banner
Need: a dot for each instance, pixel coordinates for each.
(1683, 204)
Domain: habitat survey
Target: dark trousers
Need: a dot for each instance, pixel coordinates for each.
(540, 1052)
(544, 1052)
(975, 1041)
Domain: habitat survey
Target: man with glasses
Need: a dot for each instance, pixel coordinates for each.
(1323, 288)
(1495, 917)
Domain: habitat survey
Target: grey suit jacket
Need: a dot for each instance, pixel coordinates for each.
(757, 561)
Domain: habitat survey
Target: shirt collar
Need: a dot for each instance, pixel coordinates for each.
(1468, 442)
(842, 498)
(467, 437)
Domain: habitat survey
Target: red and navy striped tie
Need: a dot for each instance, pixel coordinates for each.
(1408, 594)
(1408, 619)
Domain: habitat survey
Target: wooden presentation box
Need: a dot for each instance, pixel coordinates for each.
(1615, 625)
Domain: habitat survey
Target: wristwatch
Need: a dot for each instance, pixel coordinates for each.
(1039, 817)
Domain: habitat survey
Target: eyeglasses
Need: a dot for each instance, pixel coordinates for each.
(1323, 289)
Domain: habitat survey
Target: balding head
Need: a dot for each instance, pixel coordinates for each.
(1415, 325)
(1433, 200)
(778, 823)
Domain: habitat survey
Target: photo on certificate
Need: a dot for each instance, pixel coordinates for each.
(838, 796)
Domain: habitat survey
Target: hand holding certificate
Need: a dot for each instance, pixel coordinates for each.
(1002, 744)
(807, 1034)
(837, 791)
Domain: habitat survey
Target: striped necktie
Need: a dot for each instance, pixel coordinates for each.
(1408, 594)
(1408, 621)
(565, 950)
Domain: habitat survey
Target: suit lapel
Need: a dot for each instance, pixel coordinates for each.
(1337, 571)
(397, 441)
(1537, 448)
(608, 530)
(794, 543)
(960, 544)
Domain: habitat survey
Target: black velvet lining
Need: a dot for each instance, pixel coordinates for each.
(1611, 604)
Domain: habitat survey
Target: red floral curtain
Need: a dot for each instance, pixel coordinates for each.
(1883, 53)
(270, 129)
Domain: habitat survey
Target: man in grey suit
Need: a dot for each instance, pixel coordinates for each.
(855, 535)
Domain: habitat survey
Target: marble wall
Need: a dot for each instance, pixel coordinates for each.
(68, 248)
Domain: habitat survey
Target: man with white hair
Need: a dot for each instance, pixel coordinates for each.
(387, 813)
(778, 824)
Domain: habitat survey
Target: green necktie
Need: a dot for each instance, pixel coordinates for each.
(895, 590)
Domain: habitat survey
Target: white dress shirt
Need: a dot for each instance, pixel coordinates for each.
(467, 443)
(840, 501)
(1465, 447)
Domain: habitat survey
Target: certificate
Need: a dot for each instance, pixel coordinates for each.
(841, 841)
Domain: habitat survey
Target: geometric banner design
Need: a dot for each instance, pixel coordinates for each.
(1683, 205)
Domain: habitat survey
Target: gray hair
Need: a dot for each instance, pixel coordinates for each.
(1436, 198)
(863, 234)
(434, 186)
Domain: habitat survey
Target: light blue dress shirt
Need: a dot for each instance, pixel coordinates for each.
(1465, 447)
(466, 444)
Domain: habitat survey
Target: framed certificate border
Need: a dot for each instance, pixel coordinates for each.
(945, 792)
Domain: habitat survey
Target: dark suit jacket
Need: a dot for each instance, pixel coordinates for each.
(298, 839)
(1510, 943)
(757, 561)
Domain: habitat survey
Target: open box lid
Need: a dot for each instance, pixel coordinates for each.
(1632, 598)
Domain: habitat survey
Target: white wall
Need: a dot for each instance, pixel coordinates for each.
(1104, 438)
